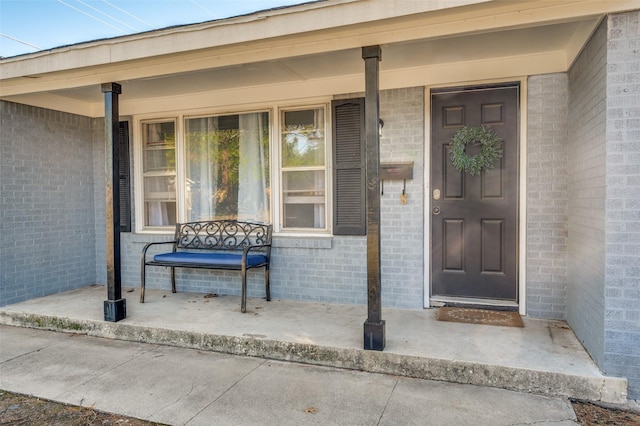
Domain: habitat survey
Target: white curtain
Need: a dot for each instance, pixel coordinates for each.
(319, 208)
(253, 191)
(202, 168)
(157, 213)
(203, 155)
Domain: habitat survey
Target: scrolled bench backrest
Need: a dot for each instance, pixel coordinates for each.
(221, 235)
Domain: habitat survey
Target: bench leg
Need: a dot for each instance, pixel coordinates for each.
(173, 279)
(243, 302)
(266, 282)
(142, 276)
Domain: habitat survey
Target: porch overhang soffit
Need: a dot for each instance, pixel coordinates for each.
(308, 50)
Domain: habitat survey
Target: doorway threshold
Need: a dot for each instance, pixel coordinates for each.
(470, 302)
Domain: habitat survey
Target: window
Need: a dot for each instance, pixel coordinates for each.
(303, 169)
(218, 167)
(159, 172)
(227, 167)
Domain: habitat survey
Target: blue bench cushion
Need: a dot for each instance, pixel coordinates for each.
(223, 259)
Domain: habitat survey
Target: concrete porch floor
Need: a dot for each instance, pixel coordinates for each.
(544, 357)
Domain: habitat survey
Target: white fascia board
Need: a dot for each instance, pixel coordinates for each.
(285, 22)
(475, 18)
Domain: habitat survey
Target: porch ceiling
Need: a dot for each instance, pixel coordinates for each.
(417, 50)
(454, 51)
(497, 54)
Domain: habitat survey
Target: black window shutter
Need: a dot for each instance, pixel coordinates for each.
(124, 178)
(348, 167)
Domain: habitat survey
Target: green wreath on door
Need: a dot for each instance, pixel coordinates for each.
(482, 136)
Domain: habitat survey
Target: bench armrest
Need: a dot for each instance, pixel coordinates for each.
(146, 247)
(246, 249)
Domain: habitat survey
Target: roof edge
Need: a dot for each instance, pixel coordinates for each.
(89, 43)
(258, 26)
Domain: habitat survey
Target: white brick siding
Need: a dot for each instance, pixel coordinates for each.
(47, 238)
(622, 201)
(604, 198)
(587, 168)
(547, 196)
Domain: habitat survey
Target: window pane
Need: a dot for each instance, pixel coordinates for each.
(227, 173)
(304, 199)
(159, 171)
(303, 138)
(159, 146)
(159, 160)
(160, 200)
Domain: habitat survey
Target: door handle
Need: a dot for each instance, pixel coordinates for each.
(436, 210)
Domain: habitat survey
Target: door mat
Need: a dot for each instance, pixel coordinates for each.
(480, 316)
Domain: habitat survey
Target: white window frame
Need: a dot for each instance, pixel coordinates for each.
(278, 196)
(139, 174)
(275, 112)
(182, 216)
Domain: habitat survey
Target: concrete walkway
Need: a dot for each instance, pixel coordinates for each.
(544, 357)
(180, 386)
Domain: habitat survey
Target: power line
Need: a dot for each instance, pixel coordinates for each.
(91, 16)
(130, 14)
(108, 16)
(20, 41)
(213, 15)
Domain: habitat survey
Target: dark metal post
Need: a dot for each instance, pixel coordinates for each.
(374, 326)
(115, 308)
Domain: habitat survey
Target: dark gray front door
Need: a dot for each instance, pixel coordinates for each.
(474, 218)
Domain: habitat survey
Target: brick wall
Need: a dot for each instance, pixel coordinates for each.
(604, 202)
(547, 196)
(622, 204)
(402, 236)
(334, 269)
(99, 199)
(587, 169)
(47, 238)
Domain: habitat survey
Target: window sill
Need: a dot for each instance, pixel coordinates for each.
(156, 231)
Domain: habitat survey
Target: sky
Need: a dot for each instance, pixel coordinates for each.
(28, 26)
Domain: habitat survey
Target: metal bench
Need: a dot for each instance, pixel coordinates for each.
(216, 244)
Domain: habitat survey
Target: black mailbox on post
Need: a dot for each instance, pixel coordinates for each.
(401, 170)
(397, 171)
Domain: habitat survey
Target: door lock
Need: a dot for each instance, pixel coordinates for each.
(436, 210)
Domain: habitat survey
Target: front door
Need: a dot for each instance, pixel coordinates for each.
(474, 238)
